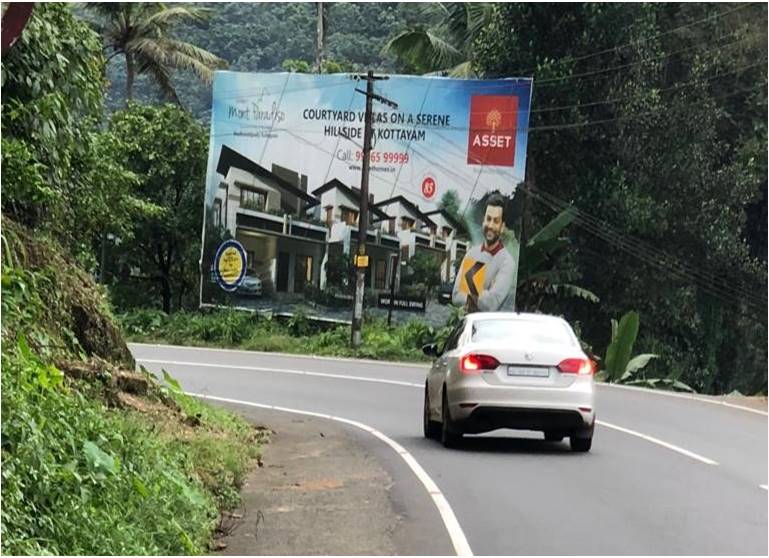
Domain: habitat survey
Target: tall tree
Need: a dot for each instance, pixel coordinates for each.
(648, 118)
(446, 45)
(60, 172)
(142, 33)
(167, 148)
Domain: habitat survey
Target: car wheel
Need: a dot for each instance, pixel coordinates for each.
(431, 428)
(449, 436)
(552, 436)
(582, 439)
(580, 444)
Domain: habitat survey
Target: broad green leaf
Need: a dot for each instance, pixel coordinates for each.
(172, 382)
(24, 347)
(98, 459)
(638, 362)
(575, 291)
(619, 351)
(554, 227)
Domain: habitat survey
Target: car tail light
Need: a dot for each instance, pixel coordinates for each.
(579, 366)
(473, 364)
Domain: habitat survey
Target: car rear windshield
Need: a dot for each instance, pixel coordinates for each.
(536, 332)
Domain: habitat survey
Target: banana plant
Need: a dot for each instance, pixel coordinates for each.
(537, 274)
(618, 366)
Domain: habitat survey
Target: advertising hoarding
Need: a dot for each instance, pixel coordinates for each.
(283, 180)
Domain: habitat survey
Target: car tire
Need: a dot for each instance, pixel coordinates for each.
(581, 440)
(432, 429)
(553, 436)
(580, 444)
(449, 436)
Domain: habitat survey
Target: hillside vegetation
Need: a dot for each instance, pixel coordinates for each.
(97, 458)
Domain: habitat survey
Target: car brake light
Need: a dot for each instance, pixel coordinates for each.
(473, 364)
(579, 366)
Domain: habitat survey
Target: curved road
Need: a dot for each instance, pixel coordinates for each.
(666, 475)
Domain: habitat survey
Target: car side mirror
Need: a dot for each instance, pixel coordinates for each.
(431, 350)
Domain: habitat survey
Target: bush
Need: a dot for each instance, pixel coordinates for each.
(80, 474)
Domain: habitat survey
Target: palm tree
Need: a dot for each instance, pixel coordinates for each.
(142, 33)
(446, 46)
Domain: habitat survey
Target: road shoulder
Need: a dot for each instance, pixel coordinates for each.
(319, 491)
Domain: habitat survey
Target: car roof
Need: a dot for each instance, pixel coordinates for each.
(522, 316)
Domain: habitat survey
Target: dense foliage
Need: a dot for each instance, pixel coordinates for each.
(167, 149)
(255, 37)
(82, 472)
(59, 168)
(651, 120)
(232, 328)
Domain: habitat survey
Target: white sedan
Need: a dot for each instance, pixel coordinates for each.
(510, 370)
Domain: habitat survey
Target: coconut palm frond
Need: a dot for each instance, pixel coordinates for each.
(201, 55)
(431, 11)
(161, 76)
(479, 15)
(463, 70)
(169, 16)
(423, 47)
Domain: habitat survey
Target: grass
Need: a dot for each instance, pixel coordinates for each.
(88, 468)
(236, 329)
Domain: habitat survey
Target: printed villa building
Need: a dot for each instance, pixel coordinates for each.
(290, 234)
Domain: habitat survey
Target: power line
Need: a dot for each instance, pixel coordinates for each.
(714, 290)
(705, 280)
(551, 127)
(646, 39)
(631, 97)
(550, 81)
(640, 245)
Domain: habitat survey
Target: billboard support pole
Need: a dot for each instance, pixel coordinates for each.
(395, 265)
(362, 263)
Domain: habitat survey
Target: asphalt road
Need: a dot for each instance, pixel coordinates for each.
(665, 476)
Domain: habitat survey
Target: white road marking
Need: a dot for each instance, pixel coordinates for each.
(458, 539)
(646, 437)
(689, 396)
(414, 365)
(283, 371)
(659, 442)
(425, 367)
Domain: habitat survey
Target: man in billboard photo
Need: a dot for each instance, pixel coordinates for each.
(487, 271)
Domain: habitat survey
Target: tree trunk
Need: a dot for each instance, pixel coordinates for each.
(165, 283)
(129, 78)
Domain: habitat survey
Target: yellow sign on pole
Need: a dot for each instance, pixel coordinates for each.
(361, 261)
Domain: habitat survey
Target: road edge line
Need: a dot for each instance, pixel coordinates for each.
(458, 539)
(281, 371)
(426, 366)
(403, 363)
(690, 397)
(659, 442)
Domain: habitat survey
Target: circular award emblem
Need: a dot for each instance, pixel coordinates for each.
(230, 265)
(428, 187)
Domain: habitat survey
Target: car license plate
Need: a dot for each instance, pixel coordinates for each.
(528, 371)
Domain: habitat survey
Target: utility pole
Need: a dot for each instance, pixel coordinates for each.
(319, 40)
(361, 260)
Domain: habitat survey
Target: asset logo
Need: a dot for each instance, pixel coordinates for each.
(493, 122)
(528, 356)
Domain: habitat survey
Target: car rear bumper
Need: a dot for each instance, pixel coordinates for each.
(478, 407)
(485, 419)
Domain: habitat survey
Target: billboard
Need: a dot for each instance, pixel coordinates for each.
(283, 188)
